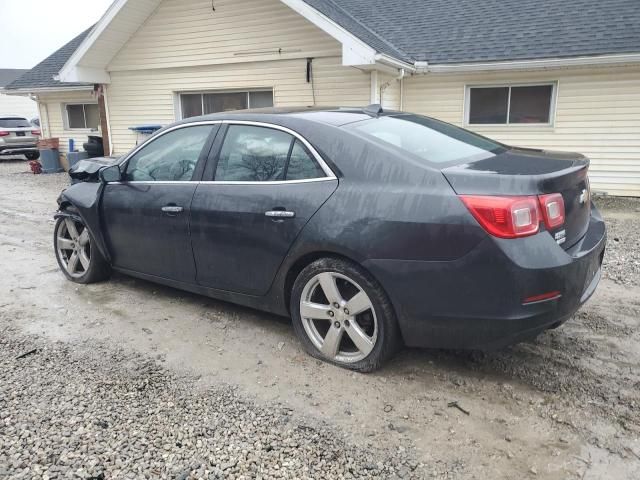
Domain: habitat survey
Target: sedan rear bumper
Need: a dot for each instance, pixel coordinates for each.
(478, 301)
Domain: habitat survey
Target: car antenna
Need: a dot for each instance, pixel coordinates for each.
(374, 110)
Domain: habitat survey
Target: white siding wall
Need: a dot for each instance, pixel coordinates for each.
(190, 33)
(51, 108)
(598, 114)
(18, 105)
(389, 91)
(140, 97)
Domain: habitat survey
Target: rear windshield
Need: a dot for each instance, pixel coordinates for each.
(429, 139)
(14, 123)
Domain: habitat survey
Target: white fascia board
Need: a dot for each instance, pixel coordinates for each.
(77, 74)
(69, 70)
(25, 92)
(354, 50)
(532, 64)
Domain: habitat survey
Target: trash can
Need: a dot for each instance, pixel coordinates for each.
(50, 160)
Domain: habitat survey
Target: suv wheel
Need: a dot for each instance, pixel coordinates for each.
(32, 155)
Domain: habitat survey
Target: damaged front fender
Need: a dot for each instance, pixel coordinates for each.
(82, 201)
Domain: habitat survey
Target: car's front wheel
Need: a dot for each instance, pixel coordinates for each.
(343, 316)
(75, 252)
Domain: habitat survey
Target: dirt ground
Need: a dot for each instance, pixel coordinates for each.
(566, 405)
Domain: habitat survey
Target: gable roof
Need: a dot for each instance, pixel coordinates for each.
(8, 75)
(466, 31)
(41, 76)
(419, 35)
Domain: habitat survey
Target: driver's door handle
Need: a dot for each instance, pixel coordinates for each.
(172, 209)
(279, 214)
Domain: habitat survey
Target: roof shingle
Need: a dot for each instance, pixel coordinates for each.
(461, 31)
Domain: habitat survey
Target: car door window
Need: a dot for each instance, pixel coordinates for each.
(171, 157)
(259, 154)
(302, 166)
(253, 154)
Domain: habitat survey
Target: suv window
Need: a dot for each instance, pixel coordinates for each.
(14, 123)
(261, 154)
(171, 157)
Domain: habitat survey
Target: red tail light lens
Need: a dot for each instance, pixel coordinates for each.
(505, 217)
(552, 206)
(35, 132)
(3, 133)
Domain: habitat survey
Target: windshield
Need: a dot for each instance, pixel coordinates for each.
(429, 139)
(14, 123)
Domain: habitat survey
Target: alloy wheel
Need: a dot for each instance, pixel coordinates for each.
(338, 317)
(73, 247)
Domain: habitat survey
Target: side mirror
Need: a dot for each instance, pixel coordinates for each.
(110, 174)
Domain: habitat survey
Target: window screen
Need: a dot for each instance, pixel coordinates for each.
(83, 115)
(510, 105)
(194, 104)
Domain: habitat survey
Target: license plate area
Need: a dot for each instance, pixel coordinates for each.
(20, 134)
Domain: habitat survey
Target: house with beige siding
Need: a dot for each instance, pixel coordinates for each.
(552, 74)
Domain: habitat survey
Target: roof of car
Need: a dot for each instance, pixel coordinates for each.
(335, 116)
(466, 31)
(41, 76)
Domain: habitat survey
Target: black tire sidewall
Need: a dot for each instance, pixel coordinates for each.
(388, 335)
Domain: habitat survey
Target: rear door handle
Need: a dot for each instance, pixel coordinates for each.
(172, 209)
(280, 214)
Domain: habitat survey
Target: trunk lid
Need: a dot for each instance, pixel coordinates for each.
(520, 171)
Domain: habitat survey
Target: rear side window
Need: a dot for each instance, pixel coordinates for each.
(14, 123)
(301, 165)
(429, 139)
(261, 154)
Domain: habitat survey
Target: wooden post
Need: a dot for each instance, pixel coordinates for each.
(104, 124)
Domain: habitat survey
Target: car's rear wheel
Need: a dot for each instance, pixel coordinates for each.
(343, 316)
(75, 252)
(32, 155)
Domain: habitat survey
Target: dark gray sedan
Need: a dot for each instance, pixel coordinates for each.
(370, 229)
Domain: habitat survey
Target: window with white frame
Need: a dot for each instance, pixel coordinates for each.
(81, 116)
(510, 104)
(194, 104)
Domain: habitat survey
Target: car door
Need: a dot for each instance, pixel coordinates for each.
(266, 182)
(146, 215)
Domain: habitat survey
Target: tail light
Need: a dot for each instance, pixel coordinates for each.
(4, 133)
(505, 217)
(35, 132)
(552, 206)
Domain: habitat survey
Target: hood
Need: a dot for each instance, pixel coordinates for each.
(87, 170)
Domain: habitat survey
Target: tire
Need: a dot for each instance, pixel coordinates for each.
(89, 265)
(32, 155)
(362, 341)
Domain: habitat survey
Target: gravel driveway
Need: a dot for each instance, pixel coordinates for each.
(126, 379)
